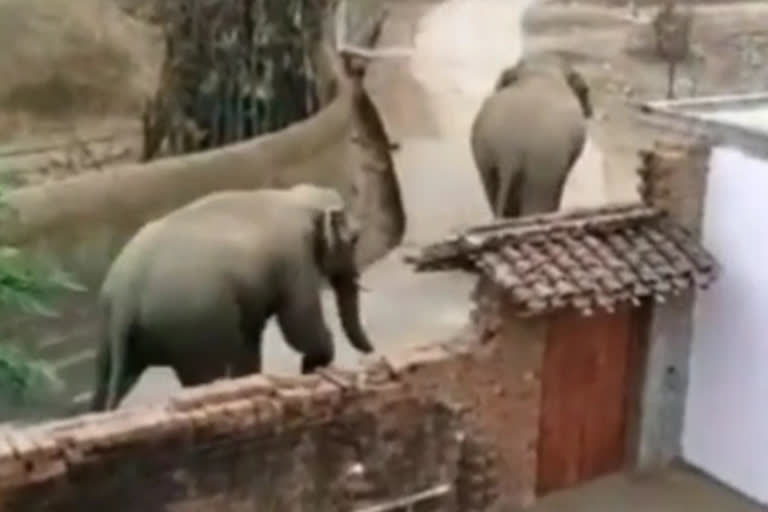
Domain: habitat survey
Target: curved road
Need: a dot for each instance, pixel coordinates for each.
(428, 101)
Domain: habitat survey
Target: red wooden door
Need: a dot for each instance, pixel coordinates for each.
(587, 378)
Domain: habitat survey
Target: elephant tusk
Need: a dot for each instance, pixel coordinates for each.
(362, 288)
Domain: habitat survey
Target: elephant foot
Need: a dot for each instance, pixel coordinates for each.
(309, 363)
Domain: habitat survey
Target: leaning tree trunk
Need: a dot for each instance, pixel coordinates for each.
(233, 69)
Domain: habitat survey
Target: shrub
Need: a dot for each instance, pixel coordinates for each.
(25, 287)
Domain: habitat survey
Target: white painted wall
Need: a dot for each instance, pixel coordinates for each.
(752, 118)
(726, 418)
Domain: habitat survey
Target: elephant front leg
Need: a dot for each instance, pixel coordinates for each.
(303, 326)
(249, 362)
(311, 362)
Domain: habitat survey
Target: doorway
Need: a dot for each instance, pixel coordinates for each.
(588, 380)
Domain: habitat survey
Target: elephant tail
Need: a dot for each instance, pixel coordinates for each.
(99, 400)
(111, 360)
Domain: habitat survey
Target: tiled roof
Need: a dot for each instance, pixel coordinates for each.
(586, 259)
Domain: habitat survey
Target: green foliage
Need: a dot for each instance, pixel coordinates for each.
(26, 286)
(24, 381)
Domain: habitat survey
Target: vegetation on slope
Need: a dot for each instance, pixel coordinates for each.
(25, 287)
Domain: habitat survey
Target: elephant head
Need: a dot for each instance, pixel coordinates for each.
(575, 81)
(335, 242)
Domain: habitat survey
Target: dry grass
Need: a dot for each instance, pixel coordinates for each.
(64, 61)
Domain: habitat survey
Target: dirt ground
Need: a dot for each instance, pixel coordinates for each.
(67, 80)
(75, 76)
(427, 102)
(610, 48)
(615, 53)
(419, 99)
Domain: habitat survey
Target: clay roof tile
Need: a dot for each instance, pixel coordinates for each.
(587, 259)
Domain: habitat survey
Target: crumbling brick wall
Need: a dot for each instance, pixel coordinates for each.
(673, 177)
(319, 443)
(494, 373)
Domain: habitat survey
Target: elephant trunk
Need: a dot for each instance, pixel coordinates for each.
(347, 292)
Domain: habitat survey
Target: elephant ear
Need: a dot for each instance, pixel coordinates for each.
(337, 237)
(508, 76)
(579, 86)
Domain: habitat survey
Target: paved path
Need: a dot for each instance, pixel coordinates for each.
(427, 102)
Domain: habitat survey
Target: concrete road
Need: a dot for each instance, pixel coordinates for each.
(427, 101)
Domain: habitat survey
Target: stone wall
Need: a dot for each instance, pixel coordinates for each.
(330, 442)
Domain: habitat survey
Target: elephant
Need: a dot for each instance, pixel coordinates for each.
(527, 135)
(194, 289)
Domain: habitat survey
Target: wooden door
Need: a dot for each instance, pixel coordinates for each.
(587, 383)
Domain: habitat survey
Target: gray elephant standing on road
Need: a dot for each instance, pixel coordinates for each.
(194, 289)
(528, 134)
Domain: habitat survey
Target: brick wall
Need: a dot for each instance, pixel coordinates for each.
(673, 177)
(321, 443)
(462, 414)
(494, 374)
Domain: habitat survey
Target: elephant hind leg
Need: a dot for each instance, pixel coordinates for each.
(489, 177)
(132, 371)
(131, 376)
(99, 399)
(509, 200)
(576, 150)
